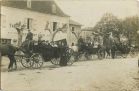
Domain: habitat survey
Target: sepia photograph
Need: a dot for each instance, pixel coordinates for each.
(69, 45)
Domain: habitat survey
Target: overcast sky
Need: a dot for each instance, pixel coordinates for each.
(88, 12)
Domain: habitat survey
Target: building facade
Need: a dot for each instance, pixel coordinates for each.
(43, 18)
(87, 33)
(75, 29)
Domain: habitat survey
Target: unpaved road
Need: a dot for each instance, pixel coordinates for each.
(105, 75)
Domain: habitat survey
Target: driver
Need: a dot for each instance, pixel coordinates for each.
(27, 43)
(29, 35)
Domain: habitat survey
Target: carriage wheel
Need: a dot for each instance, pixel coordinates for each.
(38, 61)
(70, 56)
(55, 61)
(27, 62)
(71, 60)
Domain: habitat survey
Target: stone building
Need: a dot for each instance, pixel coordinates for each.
(41, 17)
(75, 29)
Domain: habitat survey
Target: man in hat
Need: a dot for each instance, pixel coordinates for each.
(27, 44)
(29, 35)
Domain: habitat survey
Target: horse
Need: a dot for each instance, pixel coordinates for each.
(9, 50)
(107, 45)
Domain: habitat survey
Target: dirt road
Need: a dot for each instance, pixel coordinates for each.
(105, 75)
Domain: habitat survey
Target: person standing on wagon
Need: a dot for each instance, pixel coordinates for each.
(29, 36)
(29, 39)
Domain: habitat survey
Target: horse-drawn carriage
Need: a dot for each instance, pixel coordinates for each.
(44, 51)
(33, 54)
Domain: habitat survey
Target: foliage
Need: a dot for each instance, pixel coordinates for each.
(130, 27)
(109, 23)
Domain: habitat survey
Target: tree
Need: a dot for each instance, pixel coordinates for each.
(48, 27)
(130, 26)
(19, 27)
(109, 23)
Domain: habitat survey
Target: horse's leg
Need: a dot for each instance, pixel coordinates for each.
(107, 51)
(11, 63)
(14, 60)
(104, 51)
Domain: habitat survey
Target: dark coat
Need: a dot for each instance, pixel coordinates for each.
(29, 36)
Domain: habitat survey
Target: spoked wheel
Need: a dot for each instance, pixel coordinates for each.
(55, 61)
(70, 56)
(27, 62)
(38, 61)
(71, 60)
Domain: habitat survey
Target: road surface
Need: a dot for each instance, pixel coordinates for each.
(94, 75)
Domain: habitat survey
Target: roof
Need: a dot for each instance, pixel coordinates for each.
(38, 6)
(72, 22)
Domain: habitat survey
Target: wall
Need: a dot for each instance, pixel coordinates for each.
(86, 34)
(77, 30)
(40, 20)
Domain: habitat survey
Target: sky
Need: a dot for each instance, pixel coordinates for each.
(89, 12)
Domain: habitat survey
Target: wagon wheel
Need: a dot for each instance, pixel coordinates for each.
(55, 61)
(27, 62)
(70, 56)
(100, 54)
(38, 60)
(71, 60)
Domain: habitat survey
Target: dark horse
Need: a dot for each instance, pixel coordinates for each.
(107, 45)
(9, 50)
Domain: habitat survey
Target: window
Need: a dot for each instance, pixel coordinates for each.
(28, 3)
(29, 23)
(53, 8)
(54, 26)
